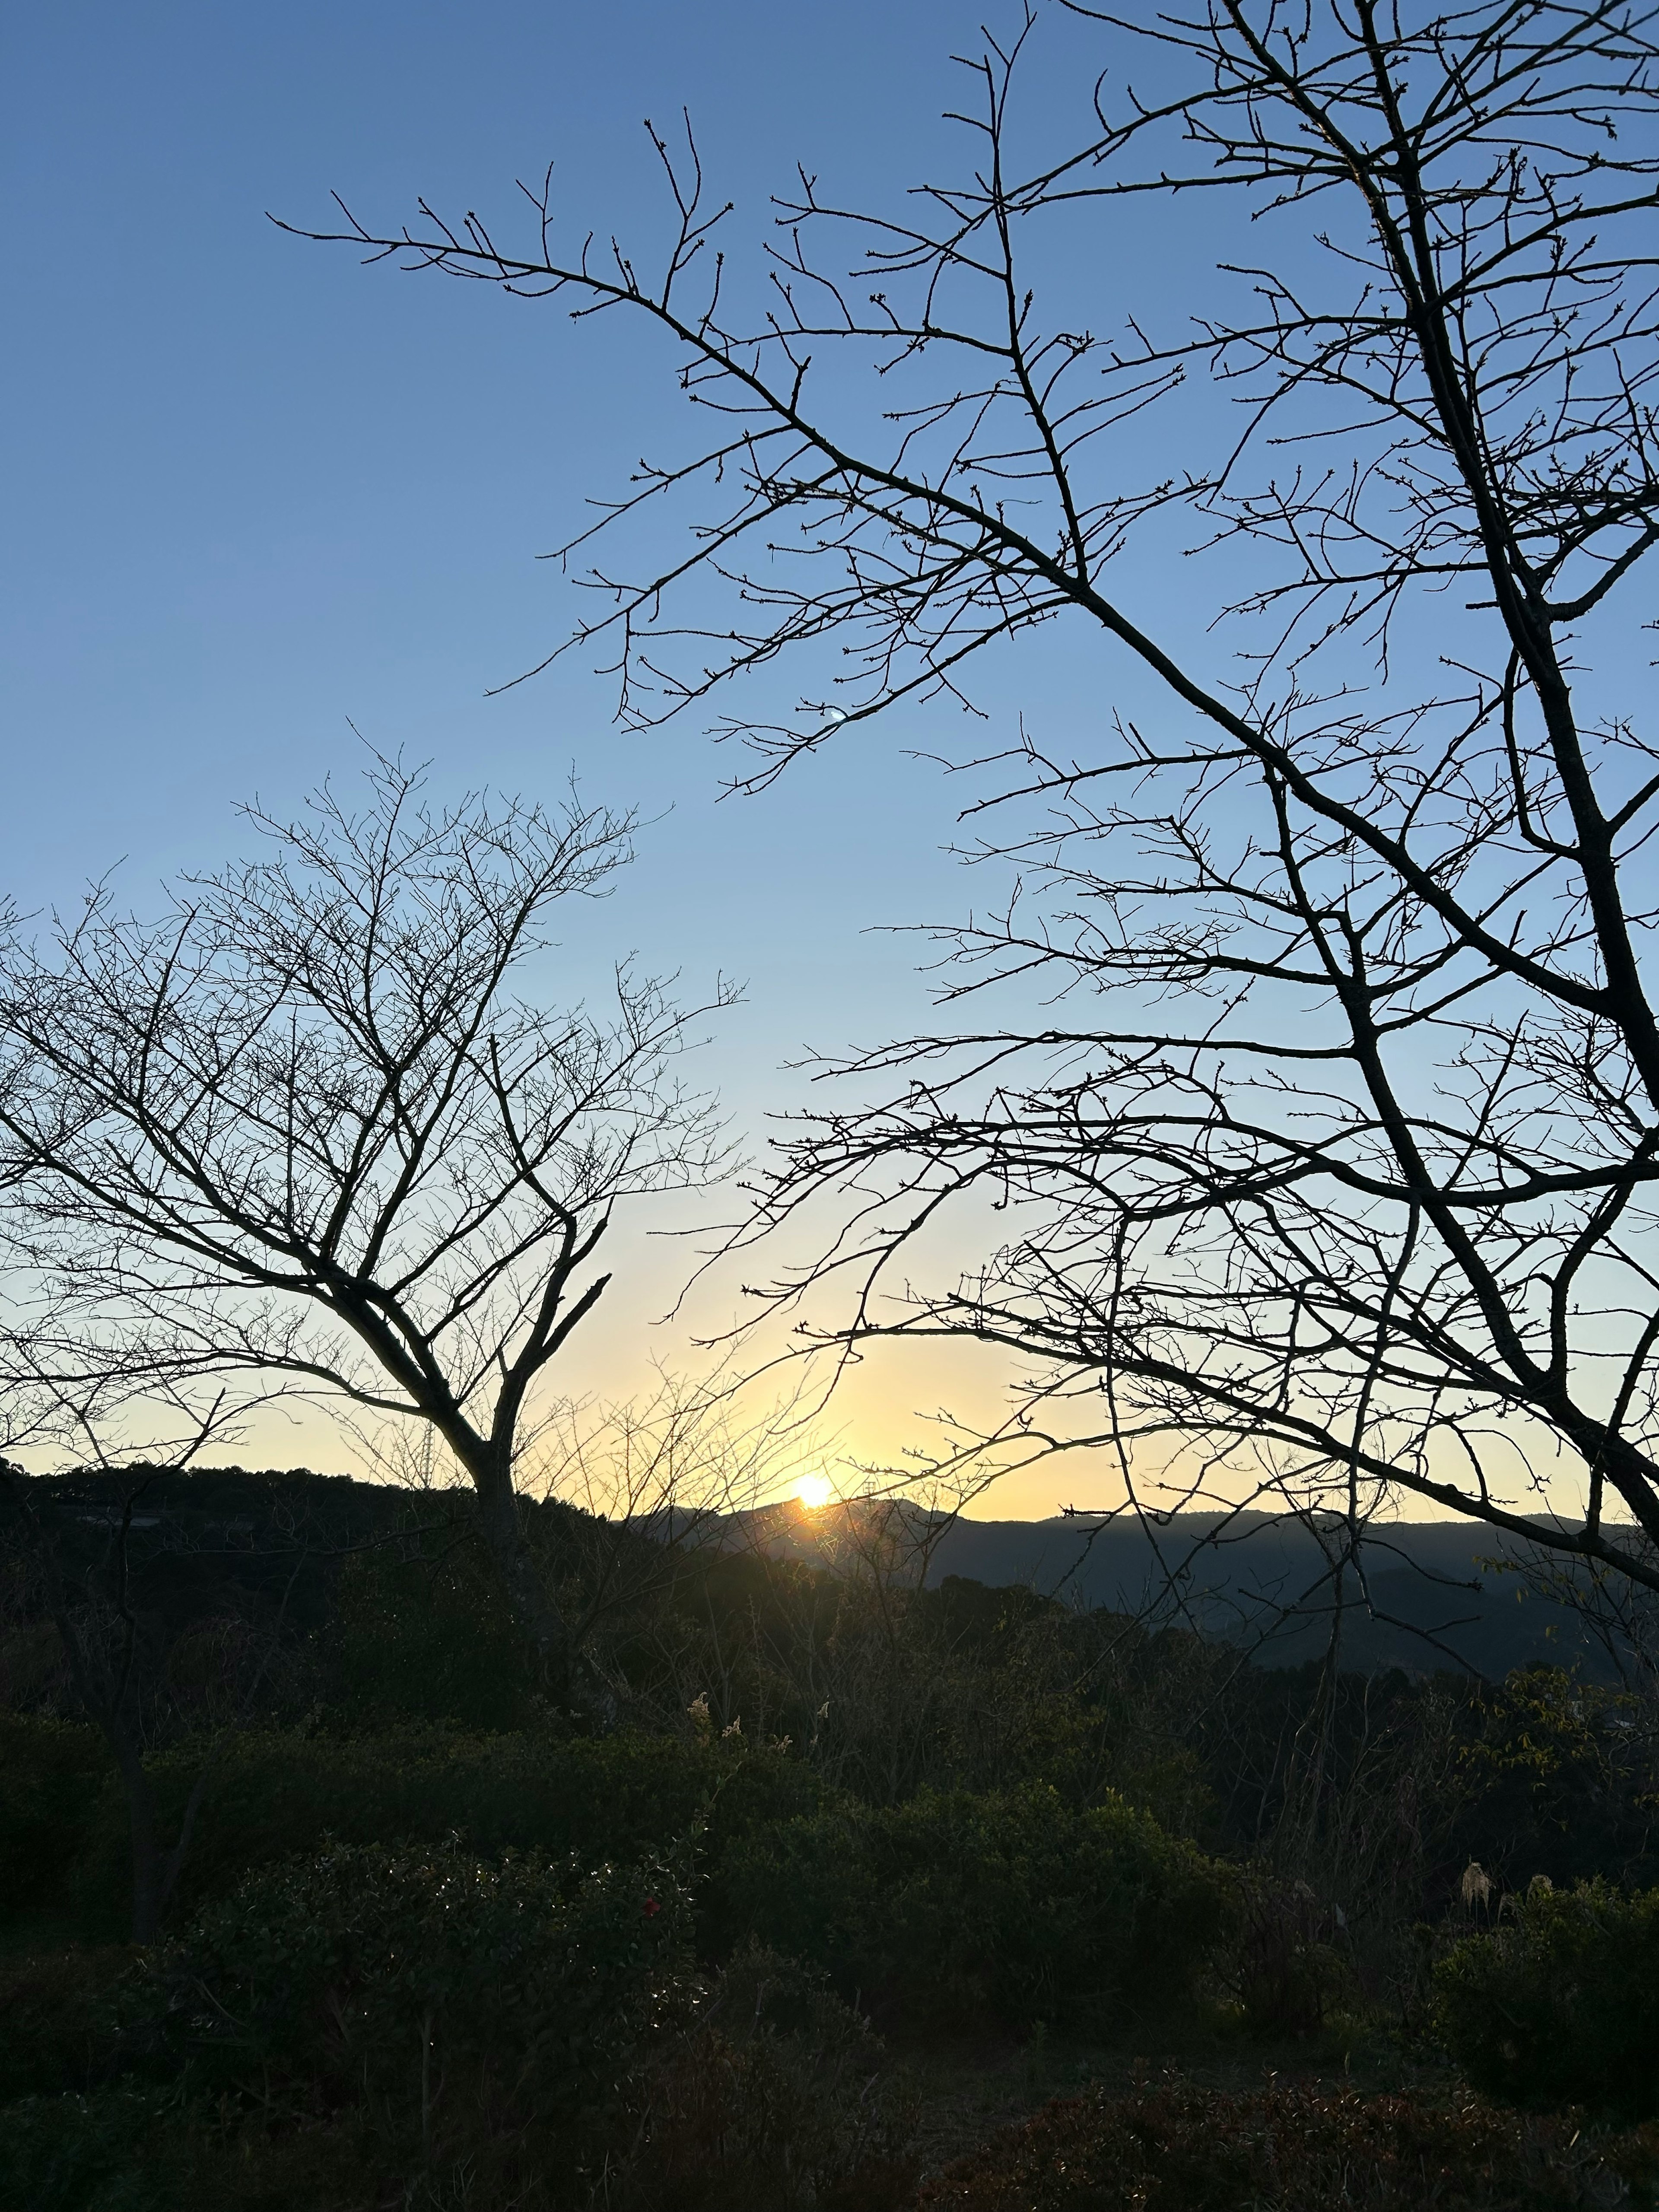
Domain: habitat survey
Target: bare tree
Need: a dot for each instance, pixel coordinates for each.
(1331, 1152)
(306, 1127)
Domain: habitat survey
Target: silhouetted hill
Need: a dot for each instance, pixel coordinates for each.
(1442, 1594)
(1435, 1595)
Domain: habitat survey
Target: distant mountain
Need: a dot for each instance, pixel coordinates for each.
(1435, 1595)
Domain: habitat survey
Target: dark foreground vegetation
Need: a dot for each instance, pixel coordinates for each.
(818, 1847)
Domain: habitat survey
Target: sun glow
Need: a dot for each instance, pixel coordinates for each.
(814, 1490)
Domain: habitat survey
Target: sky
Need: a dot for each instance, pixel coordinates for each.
(256, 496)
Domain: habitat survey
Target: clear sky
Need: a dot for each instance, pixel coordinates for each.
(253, 491)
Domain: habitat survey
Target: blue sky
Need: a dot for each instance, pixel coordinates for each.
(255, 491)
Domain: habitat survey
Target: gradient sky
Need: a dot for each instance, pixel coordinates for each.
(255, 491)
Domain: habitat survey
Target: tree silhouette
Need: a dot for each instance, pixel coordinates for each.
(1331, 1153)
(307, 1128)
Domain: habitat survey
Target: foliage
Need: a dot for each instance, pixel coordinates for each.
(279, 1793)
(1286, 1963)
(870, 1855)
(961, 1686)
(97, 2152)
(1010, 1904)
(778, 2100)
(887, 1687)
(1565, 1774)
(426, 2007)
(439, 1994)
(416, 1638)
(57, 1773)
(57, 2014)
(360, 2022)
(1295, 2147)
(1559, 2004)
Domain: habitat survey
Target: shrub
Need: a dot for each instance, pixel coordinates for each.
(58, 2018)
(126, 2149)
(414, 1639)
(1285, 1965)
(409, 1981)
(1559, 2003)
(57, 1776)
(1012, 1905)
(1298, 2147)
(278, 1794)
(775, 2102)
(768, 2096)
(84, 2154)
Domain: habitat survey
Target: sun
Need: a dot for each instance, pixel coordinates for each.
(814, 1490)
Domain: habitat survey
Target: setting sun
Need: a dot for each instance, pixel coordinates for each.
(814, 1490)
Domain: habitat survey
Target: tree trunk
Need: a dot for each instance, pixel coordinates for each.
(538, 1618)
(149, 1869)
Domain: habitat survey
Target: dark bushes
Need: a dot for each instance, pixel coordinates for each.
(97, 2152)
(57, 2019)
(777, 2102)
(1301, 2147)
(413, 1638)
(397, 1977)
(1286, 1965)
(432, 2030)
(1012, 1906)
(1559, 2003)
(57, 1776)
(276, 1794)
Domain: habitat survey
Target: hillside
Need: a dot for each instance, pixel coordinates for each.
(1435, 1594)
